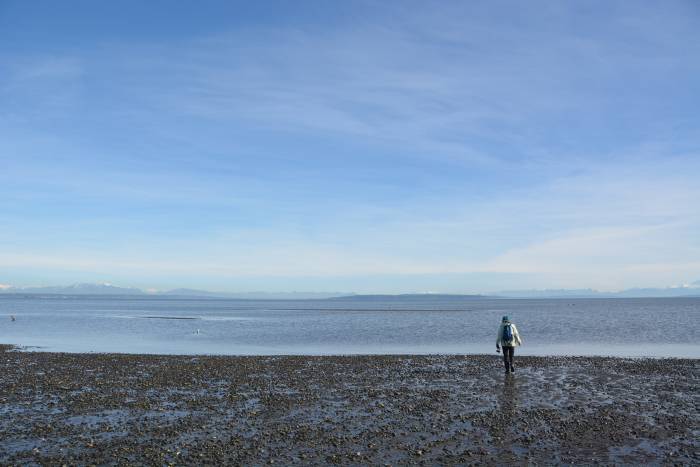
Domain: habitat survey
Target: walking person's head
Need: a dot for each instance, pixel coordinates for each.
(505, 319)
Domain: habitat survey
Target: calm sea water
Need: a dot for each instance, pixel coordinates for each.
(623, 327)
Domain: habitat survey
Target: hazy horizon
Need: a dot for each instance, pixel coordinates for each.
(692, 289)
(372, 147)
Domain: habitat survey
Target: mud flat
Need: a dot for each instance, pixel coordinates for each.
(139, 409)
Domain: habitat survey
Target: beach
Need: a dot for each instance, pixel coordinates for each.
(63, 408)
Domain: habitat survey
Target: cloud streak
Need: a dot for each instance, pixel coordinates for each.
(555, 145)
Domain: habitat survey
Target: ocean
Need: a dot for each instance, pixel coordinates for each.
(654, 327)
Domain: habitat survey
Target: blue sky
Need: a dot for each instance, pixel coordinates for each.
(350, 146)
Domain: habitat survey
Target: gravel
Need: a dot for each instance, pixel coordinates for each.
(58, 408)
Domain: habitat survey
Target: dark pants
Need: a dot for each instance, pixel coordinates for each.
(508, 357)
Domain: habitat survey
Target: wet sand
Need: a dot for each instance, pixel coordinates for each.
(138, 409)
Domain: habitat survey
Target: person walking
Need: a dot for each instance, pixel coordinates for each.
(508, 337)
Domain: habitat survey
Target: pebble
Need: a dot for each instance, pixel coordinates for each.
(136, 409)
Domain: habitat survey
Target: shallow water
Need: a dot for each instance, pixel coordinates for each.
(660, 327)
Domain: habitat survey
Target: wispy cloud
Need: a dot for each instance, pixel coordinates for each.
(553, 144)
(442, 82)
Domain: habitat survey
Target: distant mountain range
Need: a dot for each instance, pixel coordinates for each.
(77, 289)
(251, 295)
(686, 291)
(691, 290)
(109, 289)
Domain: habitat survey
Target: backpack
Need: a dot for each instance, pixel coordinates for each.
(507, 337)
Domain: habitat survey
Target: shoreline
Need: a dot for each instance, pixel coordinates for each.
(354, 409)
(526, 352)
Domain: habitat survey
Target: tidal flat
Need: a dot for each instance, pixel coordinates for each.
(62, 408)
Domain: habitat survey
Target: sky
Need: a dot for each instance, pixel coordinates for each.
(358, 146)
